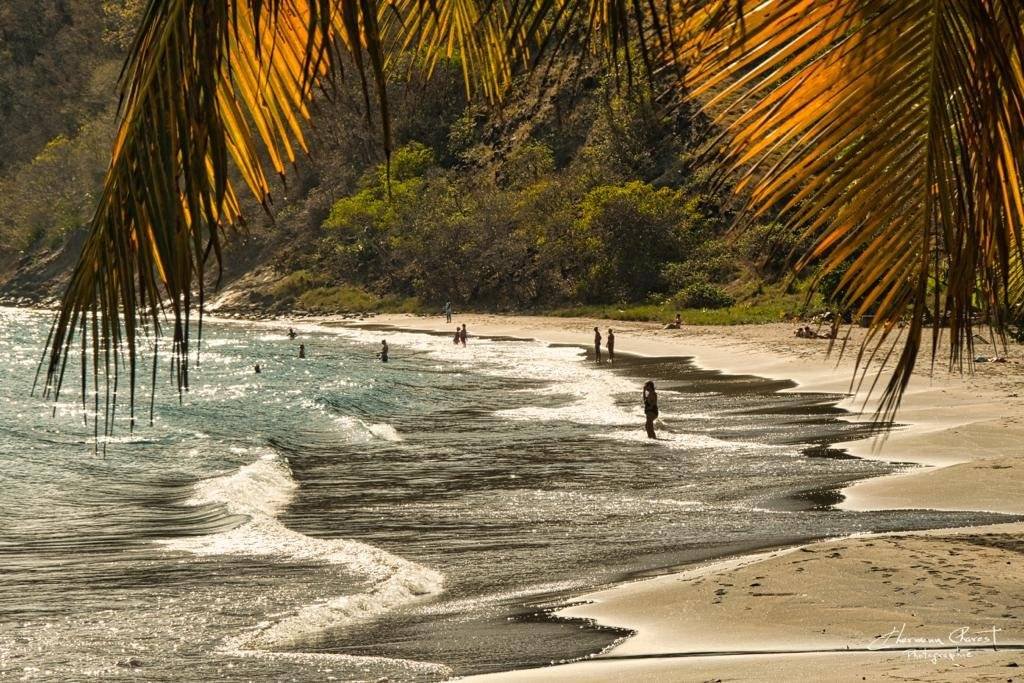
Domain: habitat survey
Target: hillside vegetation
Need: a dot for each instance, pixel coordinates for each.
(572, 196)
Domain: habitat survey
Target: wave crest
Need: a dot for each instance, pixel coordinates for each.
(261, 491)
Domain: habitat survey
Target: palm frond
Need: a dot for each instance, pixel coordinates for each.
(206, 82)
(891, 133)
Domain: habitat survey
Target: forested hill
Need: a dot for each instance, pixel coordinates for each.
(572, 193)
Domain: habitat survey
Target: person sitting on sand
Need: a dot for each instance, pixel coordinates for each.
(463, 334)
(597, 345)
(292, 334)
(650, 408)
(610, 345)
(383, 355)
(302, 350)
(675, 324)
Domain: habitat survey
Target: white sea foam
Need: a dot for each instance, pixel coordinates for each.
(677, 440)
(261, 491)
(361, 431)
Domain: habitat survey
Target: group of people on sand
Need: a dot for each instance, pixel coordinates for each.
(806, 332)
(610, 345)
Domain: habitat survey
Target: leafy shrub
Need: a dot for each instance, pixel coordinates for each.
(702, 295)
(296, 283)
(341, 298)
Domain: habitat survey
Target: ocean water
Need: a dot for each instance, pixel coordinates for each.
(336, 518)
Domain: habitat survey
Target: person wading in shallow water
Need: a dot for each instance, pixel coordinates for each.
(597, 345)
(610, 345)
(302, 350)
(383, 355)
(462, 334)
(650, 408)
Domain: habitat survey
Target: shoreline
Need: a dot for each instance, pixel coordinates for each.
(963, 430)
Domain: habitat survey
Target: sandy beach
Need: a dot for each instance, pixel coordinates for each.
(920, 606)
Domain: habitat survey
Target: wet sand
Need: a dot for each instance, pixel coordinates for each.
(909, 606)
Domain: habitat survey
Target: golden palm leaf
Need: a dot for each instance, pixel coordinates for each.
(889, 130)
(215, 84)
(891, 133)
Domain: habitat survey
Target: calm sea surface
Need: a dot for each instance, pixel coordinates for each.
(336, 518)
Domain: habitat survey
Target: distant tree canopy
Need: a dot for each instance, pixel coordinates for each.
(59, 63)
(534, 235)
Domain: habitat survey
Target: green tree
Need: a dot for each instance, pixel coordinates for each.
(634, 229)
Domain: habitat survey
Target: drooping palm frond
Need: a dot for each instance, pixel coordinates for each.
(205, 83)
(212, 85)
(634, 36)
(892, 133)
(476, 31)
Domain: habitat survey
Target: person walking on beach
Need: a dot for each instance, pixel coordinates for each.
(597, 345)
(650, 408)
(383, 355)
(610, 345)
(448, 311)
(462, 334)
(302, 350)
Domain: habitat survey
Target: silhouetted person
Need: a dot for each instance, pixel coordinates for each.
(462, 334)
(257, 368)
(458, 336)
(610, 345)
(448, 311)
(650, 408)
(383, 351)
(302, 350)
(292, 334)
(597, 345)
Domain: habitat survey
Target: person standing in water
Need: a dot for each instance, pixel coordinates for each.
(383, 351)
(448, 311)
(610, 345)
(650, 408)
(292, 334)
(462, 334)
(458, 336)
(257, 368)
(302, 350)
(597, 345)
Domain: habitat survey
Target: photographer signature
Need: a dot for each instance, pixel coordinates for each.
(963, 636)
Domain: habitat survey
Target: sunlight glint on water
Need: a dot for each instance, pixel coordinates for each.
(339, 518)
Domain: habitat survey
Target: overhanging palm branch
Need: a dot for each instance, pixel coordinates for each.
(217, 84)
(889, 130)
(892, 133)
